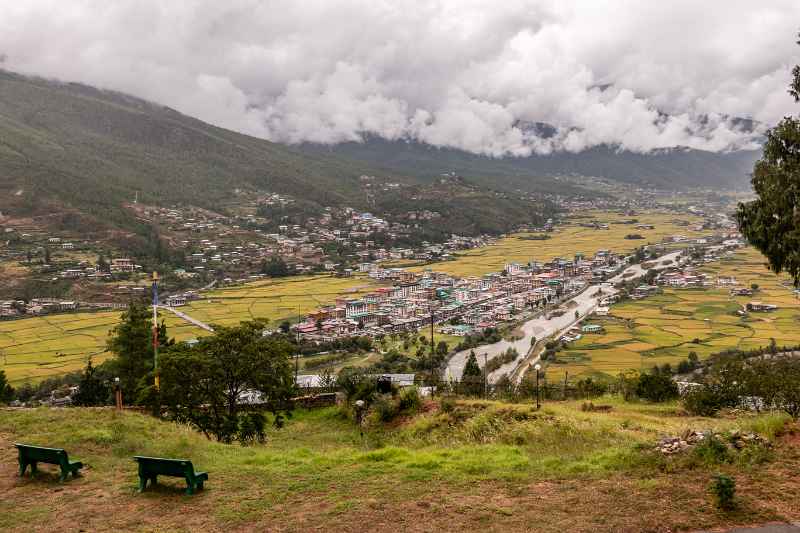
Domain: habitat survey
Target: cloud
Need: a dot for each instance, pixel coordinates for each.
(458, 73)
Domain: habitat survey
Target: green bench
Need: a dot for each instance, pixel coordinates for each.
(32, 455)
(152, 467)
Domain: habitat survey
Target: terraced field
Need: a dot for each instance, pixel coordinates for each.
(567, 240)
(36, 348)
(41, 347)
(665, 328)
(276, 300)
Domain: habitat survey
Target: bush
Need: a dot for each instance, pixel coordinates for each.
(251, 428)
(447, 404)
(711, 451)
(409, 400)
(356, 385)
(702, 401)
(723, 489)
(384, 408)
(656, 388)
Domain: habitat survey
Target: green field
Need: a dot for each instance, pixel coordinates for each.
(665, 328)
(486, 466)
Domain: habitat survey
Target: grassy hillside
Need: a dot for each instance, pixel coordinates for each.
(92, 149)
(482, 465)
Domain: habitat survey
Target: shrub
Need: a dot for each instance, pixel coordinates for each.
(385, 408)
(251, 428)
(409, 400)
(723, 489)
(447, 404)
(702, 401)
(711, 451)
(656, 387)
(356, 385)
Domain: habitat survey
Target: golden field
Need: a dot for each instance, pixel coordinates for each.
(665, 328)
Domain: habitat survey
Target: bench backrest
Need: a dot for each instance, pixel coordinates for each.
(42, 454)
(166, 467)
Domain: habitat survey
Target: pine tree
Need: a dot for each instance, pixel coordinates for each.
(6, 390)
(131, 342)
(471, 378)
(771, 222)
(92, 390)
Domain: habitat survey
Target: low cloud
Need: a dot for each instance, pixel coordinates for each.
(459, 73)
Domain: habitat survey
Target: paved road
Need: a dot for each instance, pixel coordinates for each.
(541, 327)
(187, 318)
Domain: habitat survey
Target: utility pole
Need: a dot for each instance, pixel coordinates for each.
(433, 367)
(297, 355)
(485, 377)
(155, 330)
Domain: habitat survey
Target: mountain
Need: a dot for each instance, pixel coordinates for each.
(92, 150)
(671, 169)
(75, 157)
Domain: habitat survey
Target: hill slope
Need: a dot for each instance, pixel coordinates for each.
(92, 149)
(676, 168)
(482, 465)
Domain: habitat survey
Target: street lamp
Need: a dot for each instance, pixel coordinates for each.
(117, 394)
(537, 367)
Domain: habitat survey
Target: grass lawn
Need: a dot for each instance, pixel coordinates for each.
(665, 328)
(483, 465)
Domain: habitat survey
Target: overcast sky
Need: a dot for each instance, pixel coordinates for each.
(641, 74)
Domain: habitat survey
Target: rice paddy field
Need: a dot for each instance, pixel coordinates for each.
(666, 327)
(275, 299)
(569, 239)
(41, 347)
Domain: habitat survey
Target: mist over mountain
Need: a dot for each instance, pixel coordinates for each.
(75, 148)
(93, 150)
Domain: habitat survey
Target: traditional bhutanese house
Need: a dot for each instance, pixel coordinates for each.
(592, 328)
(761, 307)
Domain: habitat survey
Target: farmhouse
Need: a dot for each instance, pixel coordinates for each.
(760, 307)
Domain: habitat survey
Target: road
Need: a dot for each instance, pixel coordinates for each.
(541, 327)
(187, 318)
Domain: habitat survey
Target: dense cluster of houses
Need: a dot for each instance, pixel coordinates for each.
(37, 306)
(235, 245)
(463, 304)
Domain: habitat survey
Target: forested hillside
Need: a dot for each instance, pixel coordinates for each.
(92, 150)
(674, 168)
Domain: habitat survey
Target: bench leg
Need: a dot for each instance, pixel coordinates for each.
(34, 470)
(63, 476)
(22, 467)
(189, 487)
(200, 485)
(142, 483)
